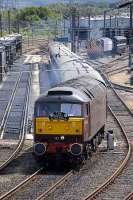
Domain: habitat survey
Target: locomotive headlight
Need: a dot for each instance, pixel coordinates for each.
(76, 149)
(39, 149)
(62, 137)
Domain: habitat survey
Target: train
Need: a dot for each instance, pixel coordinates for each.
(70, 118)
(105, 46)
(67, 65)
(10, 50)
(120, 44)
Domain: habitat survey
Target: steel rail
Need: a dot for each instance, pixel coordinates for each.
(119, 169)
(38, 42)
(107, 67)
(126, 159)
(117, 70)
(20, 185)
(56, 185)
(122, 87)
(30, 178)
(117, 59)
(22, 133)
(7, 111)
(129, 196)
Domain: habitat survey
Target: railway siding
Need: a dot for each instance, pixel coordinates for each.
(13, 125)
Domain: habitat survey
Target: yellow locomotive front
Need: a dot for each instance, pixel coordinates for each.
(58, 129)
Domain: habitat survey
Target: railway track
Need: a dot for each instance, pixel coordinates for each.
(113, 187)
(55, 186)
(129, 196)
(117, 70)
(20, 185)
(14, 97)
(117, 66)
(15, 121)
(40, 44)
(51, 184)
(94, 171)
(6, 95)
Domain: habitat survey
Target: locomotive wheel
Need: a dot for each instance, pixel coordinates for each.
(102, 133)
(76, 164)
(97, 141)
(58, 164)
(94, 145)
(58, 160)
(85, 154)
(99, 138)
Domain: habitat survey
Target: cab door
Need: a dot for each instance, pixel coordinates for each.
(86, 113)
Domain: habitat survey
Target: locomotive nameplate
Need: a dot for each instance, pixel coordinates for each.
(58, 116)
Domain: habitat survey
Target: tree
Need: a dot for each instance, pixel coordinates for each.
(33, 14)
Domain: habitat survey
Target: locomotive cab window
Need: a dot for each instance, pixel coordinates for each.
(71, 109)
(45, 109)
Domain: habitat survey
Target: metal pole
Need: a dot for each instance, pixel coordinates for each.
(131, 15)
(78, 33)
(110, 21)
(89, 26)
(1, 31)
(64, 26)
(104, 32)
(117, 22)
(73, 32)
(18, 26)
(56, 31)
(9, 21)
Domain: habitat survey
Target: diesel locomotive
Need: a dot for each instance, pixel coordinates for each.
(69, 120)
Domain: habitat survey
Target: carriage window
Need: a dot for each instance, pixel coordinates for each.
(45, 109)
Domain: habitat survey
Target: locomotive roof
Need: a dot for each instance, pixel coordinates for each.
(106, 39)
(119, 37)
(83, 89)
(70, 63)
(8, 39)
(63, 94)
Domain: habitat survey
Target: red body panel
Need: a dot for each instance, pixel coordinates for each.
(53, 147)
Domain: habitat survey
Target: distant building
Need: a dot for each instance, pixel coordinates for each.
(123, 3)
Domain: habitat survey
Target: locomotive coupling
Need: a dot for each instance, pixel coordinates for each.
(40, 149)
(76, 149)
